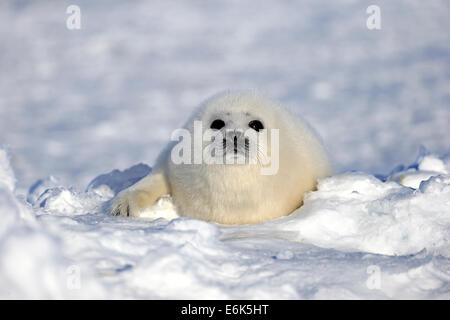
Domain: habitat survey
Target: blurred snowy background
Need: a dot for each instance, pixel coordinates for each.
(76, 103)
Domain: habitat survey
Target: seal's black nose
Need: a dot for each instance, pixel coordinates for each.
(235, 144)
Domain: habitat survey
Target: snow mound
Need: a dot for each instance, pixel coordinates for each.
(7, 177)
(427, 165)
(47, 197)
(12, 212)
(357, 212)
(32, 263)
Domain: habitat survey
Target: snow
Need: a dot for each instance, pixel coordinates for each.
(69, 247)
(83, 115)
(6, 174)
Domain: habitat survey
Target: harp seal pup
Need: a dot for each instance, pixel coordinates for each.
(235, 194)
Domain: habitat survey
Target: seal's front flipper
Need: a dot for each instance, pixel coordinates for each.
(129, 202)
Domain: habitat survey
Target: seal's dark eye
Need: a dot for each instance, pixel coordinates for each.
(256, 125)
(217, 124)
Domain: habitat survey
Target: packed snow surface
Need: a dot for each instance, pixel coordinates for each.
(84, 113)
(355, 237)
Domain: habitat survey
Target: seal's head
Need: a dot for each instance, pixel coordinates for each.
(238, 125)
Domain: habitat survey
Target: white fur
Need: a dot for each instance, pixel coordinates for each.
(235, 194)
